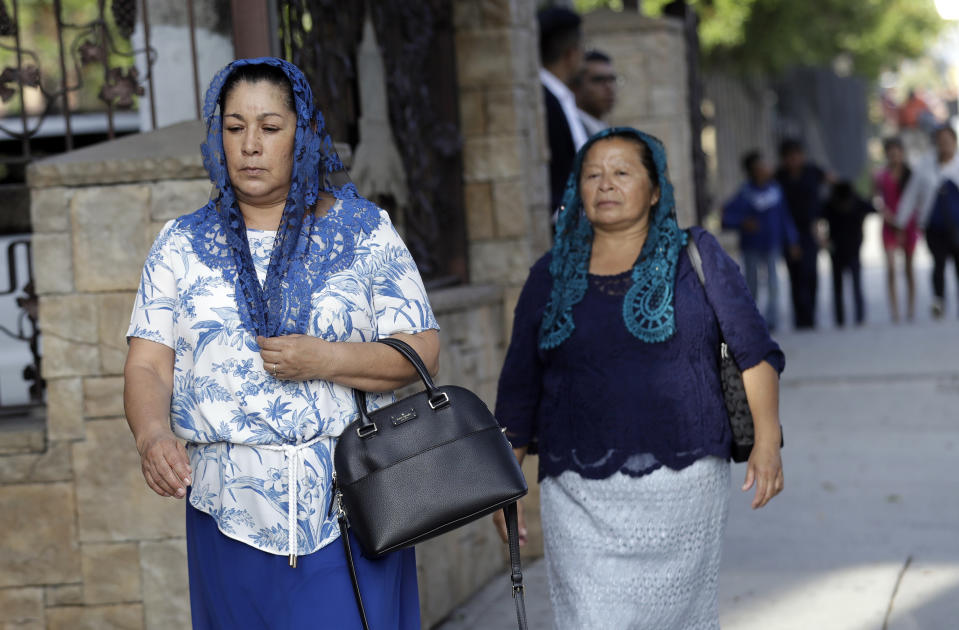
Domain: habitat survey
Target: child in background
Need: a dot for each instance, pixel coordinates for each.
(758, 211)
(845, 212)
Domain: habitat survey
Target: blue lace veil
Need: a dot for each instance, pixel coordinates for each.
(648, 304)
(308, 248)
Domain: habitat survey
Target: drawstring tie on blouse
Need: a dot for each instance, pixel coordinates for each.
(292, 454)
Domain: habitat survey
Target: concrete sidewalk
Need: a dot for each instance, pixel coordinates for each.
(866, 535)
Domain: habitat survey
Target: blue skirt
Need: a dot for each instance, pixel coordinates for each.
(234, 586)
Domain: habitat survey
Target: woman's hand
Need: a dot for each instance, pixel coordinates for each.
(147, 390)
(765, 471)
(499, 519)
(297, 357)
(370, 367)
(765, 467)
(165, 464)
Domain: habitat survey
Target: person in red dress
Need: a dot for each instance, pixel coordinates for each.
(889, 183)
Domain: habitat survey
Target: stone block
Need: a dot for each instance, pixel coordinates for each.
(527, 107)
(52, 263)
(113, 501)
(65, 409)
(63, 358)
(667, 101)
(510, 208)
(39, 535)
(504, 261)
(50, 209)
(502, 107)
(172, 198)
(472, 113)
(166, 593)
(70, 317)
(113, 312)
(485, 159)
(50, 464)
(479, 210)
(111, 573)
(103, 397)
(109, 236)
(524, 14)
(23, 438)
(114, 617)
(466, 15)
(524, 56)
(63, 595)
(483, 58)
(21, 608)
(496, 13)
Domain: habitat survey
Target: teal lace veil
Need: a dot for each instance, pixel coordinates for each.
(648, 305)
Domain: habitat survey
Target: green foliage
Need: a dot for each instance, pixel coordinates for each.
(585, 6)
(768, 36)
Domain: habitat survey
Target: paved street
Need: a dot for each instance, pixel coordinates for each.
(866, 536)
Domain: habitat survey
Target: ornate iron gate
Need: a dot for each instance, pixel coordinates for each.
(417, 45)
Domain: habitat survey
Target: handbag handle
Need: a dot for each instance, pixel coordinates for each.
(437, 398)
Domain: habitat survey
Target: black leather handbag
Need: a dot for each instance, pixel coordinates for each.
(422, 466)
(731, 378)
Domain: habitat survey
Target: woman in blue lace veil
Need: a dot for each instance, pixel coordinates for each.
(251, 326)
(612, 376)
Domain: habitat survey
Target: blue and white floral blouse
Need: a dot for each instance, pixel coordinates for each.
(241, 425)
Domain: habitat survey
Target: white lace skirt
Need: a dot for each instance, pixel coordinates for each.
(636, 553)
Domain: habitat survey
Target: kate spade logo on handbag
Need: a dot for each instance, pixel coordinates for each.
(406, 416)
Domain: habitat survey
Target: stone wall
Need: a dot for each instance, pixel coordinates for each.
(650, 56)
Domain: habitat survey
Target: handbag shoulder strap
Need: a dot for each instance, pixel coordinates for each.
(692, 250)
(516, 571)
(696, 259)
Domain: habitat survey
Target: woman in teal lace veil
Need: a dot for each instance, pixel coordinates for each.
(612, 376)
(648, 306)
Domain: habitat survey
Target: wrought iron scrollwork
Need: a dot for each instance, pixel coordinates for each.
(93, 43)
(416, 40)
(26, 329)
(7, 27)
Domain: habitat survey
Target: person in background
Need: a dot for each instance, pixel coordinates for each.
(613, 364)
(595, 89)
(561, 55)
(758, 211)
(914, 112)
(933, 196)
(802, 184)
(889, 184)
(845, 211)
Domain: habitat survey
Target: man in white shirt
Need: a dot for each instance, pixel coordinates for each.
(561, 55)
(595, 89)
(927, 195)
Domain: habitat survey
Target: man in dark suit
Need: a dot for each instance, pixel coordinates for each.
(561, 55)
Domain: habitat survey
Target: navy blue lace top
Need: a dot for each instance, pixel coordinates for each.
(604, 401)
